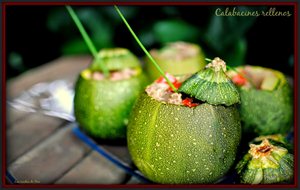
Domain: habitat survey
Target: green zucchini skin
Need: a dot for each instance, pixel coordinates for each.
(102, 107)
(212, 87)
(173, 144)
(266, 112)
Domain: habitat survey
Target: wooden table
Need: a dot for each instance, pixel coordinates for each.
(43, 150)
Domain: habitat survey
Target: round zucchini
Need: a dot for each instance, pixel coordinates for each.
(176, 58)
(174, 144)
(102, 107)
(177, 144)
(266, 105)
(266, 163)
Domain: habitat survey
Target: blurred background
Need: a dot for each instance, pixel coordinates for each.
(39, 34)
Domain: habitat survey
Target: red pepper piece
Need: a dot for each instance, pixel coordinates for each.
(239, 80)
(172, 79)
(161, 79)
(176, 85)
(189, 102)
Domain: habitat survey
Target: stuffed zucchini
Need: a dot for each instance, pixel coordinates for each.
(266, 100)
(266, 163)
(174, 138)
(102, 104)
(176, 58)
(106, 90)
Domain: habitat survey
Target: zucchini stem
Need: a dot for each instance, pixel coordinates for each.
(208, 60)
(233, 69)
(145, 50)
(87, 40)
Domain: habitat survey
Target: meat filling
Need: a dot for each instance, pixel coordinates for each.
(114, 75)
(161, 91)
(177, 51)
(254, 78)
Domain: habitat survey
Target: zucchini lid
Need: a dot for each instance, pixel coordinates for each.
(115, 59)
(212, 85)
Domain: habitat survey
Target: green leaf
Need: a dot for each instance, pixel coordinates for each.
(129, 12)
(235, 55)
(15, 60)
(76, 46)
(101, 30)
(170, 10)
(223, 31)
(174, 30)
(147, 37)
(54, 22)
